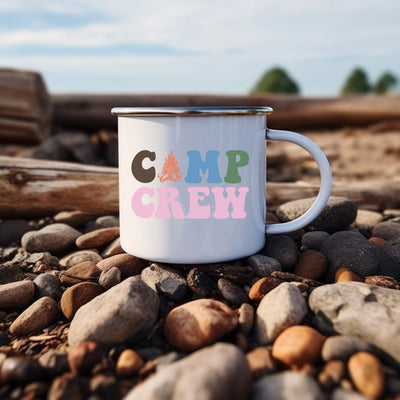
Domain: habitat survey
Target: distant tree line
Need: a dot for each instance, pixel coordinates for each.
(277, 80)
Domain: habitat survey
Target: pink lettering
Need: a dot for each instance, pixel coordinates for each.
(222, 203)
(197, 211)
(140, 209)
(167, 197)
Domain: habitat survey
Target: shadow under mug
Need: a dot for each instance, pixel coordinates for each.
(192, 182)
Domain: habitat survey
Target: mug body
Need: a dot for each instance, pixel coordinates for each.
(192, 187)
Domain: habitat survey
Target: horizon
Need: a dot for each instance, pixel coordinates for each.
(136, 47)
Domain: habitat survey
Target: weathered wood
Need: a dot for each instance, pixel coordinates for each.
(24, 101)
(37, 188)
(92, 112)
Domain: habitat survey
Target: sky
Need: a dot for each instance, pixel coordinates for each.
(198, 46)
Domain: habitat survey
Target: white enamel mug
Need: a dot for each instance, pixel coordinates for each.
(192, 182)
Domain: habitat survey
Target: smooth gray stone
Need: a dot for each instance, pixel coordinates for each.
(217, 372)
(126, 312)
(369, 312)
(286, 385)
(279, 309)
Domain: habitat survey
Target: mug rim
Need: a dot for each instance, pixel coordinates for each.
(193, 111)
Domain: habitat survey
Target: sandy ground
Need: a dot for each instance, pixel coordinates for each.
(354, 153)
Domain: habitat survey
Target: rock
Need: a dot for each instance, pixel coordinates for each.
(313, 239)
(342, 347)
(113, 249)
(53, 238)
(383, 281)
(97, 238)
(353, 251)
(110, 278)
(106, 221)
(218, 372)
(4, 339)
(11, 230)
(387, 230)
(78, 295)
(282, 248)
(392, 249)
(129, 362)
(262, 287)
(311, 264)
(263, 265)
(126, 312)
(345, 275)
(260, 362)
(18, 370)
(67, 387)
(357, 309)
(367, 374)
(104, 386)
(366, 220)
(332, 373)
(338, 213)
(80, 256)
(165, 280)
(48, 285)
(293, 278)
(281, 308)
(76, 219)
(199, 323)
(246, 318)
(39, 315)
(83, 357)
(127, 264)
(286, 385)
(10, 273)
(54, 362)
(231, 292)
(43, 257)
(16, 294)
(346, 394)
(200, 282)
(298, 345)
(82, 272)
(377, 241)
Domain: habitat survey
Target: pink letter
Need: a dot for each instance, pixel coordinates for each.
(196, 211)
(167, 195)
(222, 203)
(140, 209)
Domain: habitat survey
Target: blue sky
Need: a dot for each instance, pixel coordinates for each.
(202, 46)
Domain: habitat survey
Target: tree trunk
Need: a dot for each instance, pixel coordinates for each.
(93, 112)
(25, 107)
(32, 188)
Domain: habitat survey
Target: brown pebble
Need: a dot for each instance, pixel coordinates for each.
(199, 323)
(262, 287)
(260, 362)
(97, 238)
(367, 374)
(16, 294)
(271, 217)
(332, 373)
(80, 256)
(311, 264)
(19, 370)
(78, 295)
(67, 387)
(298, 345)
(127, 264)
(39, 315)
(84, 357)
(377, 241)
(76, 219)
(129, 362)
(383, 281)
(113, 249)
(344, 275)
(84, 271)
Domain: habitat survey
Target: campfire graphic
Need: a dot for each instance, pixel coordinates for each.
(170, 170)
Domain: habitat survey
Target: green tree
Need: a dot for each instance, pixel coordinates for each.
(356, 83)
(276, 80)
(384, 83)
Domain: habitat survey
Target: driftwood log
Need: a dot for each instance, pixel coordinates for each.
(31, 188)
(92, 112)
(25, 107)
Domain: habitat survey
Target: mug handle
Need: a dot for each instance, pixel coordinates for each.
(325, 187)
